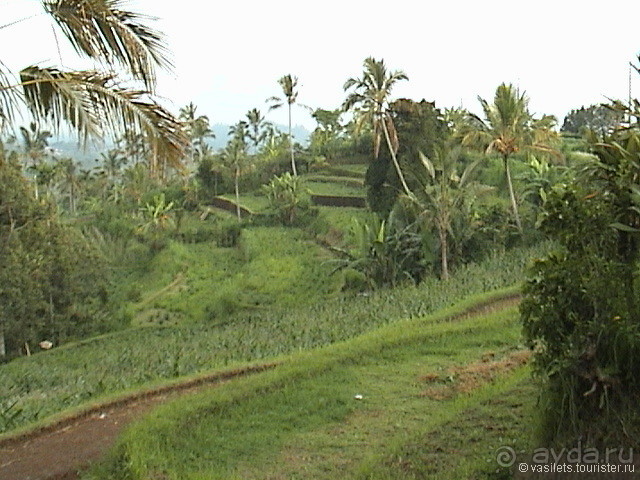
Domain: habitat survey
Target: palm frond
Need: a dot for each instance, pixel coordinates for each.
(94, 104)
(8, 97)
(100, 30)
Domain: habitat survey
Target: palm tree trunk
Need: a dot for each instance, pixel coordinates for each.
(293, 162)
(444, 253)
(237, 176)
(3, 350)
(514, 204)
(394, 159)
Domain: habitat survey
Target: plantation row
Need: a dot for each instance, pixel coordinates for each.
(32, 388)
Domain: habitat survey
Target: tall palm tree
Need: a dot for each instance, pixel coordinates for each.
(96, 101)
(259, 128)
(197, 130)
(370, 98)
(233, 156)
(34, 144)
(288, 84)
(509, 128)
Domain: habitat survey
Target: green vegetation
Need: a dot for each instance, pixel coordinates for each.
(303, 418)
(75, 373)
(170, 258)
(581, 307)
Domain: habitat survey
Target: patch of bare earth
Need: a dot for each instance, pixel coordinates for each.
(466, 378)
(61, 450)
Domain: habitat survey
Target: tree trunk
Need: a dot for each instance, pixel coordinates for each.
(3, 349)
(237, 176)
(444, 253)
(514, 204)
(394, 159)
(293, 162)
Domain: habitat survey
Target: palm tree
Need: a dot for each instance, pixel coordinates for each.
(34, 144)
(69, 171)
(370, 98)
(509, 128)
(197, 130)
(234, 154)
(96, 101)
(443, 193)
(288, 84)
(259, 128)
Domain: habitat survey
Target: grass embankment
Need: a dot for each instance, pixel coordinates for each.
(33, 388)
(305, 419)
(200, 281)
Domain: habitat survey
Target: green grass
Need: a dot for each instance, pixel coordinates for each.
(195, 282)
(49, 382)
(303, 420)
(334, 188)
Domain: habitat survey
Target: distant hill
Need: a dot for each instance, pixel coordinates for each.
(67, 147)
(221, 131)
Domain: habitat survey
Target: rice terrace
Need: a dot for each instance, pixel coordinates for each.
(385, 287)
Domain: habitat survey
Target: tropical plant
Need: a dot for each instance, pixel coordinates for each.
(580, 307)
(507, 129)
(287, 197)
(234, 157)
(197, 130)
(444, 194)
(370, 98)
(325, 138)
(96, 101)
(259, 128)
(288, 84)
(157, 215)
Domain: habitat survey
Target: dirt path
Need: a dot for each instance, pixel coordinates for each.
(59, 451)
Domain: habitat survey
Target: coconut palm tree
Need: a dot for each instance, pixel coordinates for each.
(96, 101)
(370, 98)
(508, 128)
(288, 84)
(197, 129)
(259, 128)
(234, 155)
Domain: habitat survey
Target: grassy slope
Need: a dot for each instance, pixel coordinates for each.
(302, 420)
(201, 281)
(33, 388)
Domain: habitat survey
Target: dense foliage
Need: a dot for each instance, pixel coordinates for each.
(53, 282)
(580, 309)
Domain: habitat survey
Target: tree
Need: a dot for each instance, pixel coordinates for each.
(508, 128)
(258, 128)
(370, 97)
(443, 194)
(288, 84)
(326, 136)
(197, 129)
(34, 144)
(234, 155)
(96, 101)
(602, 119)
(580, 310)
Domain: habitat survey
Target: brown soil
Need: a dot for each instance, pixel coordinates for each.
(60, 450)
(464, 379)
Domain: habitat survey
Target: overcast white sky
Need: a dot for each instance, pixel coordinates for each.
(229, 55)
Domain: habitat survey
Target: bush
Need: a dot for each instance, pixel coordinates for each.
(228, 233)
